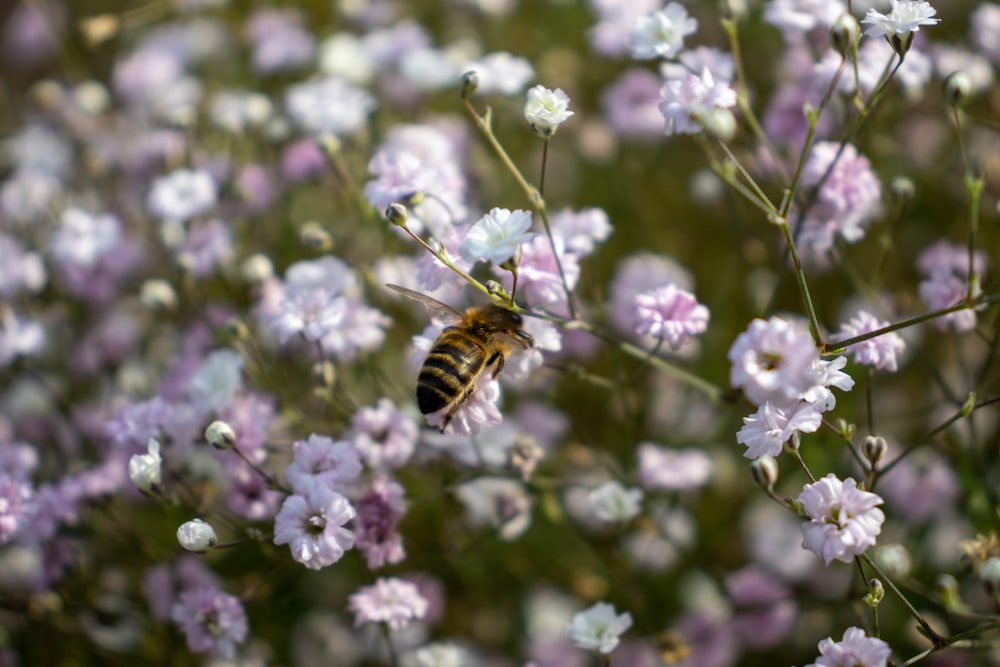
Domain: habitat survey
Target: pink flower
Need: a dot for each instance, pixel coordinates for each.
(772, 361)
(384, 435)
(395, 602)
(854, 650)
(320, 461)
(311, 524)
(670, 314)
(478, 410)
(848, 199)
(685, 102)
(379, 511)
(945, 267)
(843, 520)
(767, 430)
(672, 469)
(881, 351)
(213, 621)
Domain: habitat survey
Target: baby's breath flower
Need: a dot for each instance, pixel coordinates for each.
(144, 469)
(661, 34)
(599, 628)
(546, 110)
(196, 535)
(498, 235)
(904, 18)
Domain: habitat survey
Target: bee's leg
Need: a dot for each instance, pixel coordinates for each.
(499, 360)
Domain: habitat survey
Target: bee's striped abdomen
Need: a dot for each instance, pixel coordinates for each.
(449, 372)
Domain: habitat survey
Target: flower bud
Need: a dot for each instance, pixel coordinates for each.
(220, 435)
(989, 574)
(396, 214)
(313, 236)
(197, 536)
(957, 89)
(845, 33)
(257, 268)
(874, 448)
(330, 145)
(470, 84)
(158, 295)
(902, 189)
(876, 591)
(720, 123)
(764, 470)
(894, 559)
(951, 597)
(145, 469)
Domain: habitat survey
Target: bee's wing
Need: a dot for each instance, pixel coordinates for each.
(522, 342)
(438, 310)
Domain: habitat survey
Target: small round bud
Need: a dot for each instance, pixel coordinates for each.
(145, 469)
(846, 429)
(220, 435)
(92, 97)
(894, 559)
(330, 145)
(157, 294)
(99, 29)
(876, 591)
(957, 89)
(197, 536)
(874, 448)
(257, 268)
(495, 288)
(764, 470)
(845, 33)
(313, 236)
(236, 329)
(902, 189)
(720, 123)
(396, 214)
(470, 84)
(947, 586)
(989, 574)
(325, 373)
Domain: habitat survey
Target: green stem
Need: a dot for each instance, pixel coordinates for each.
(937, 639)
(800, 278)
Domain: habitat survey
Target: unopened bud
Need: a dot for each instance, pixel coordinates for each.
(876, 591)
(325, 373)
(764, 470)
(845, 33)
(330, 145)
(902, 189)
(257, 268)
(720, 123)
(145, 469)
(220, 435)
(970, 401)
(947, 586)
(396, 214)
(874, 448)
(313, 236)
(846, 429)
(957, 89)
(157, 294)
(98, 29)
(894, 559)
(495, 288)
(470, 84)
(197, 536)
(236, 329)
(989, 574)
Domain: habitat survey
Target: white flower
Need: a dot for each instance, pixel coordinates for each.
(497, 236)
(688, 101)
(144, 469)
(613, 503)
(661, 34)
(329, 106)
(501, 72)
(843, 520)
(197, 536)
(546, 110)
(182, 194)
(599, 628)
(905, 16)
(215, 382)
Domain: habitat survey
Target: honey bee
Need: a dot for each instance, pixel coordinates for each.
(472, 342)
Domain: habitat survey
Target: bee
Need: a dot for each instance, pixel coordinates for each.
(472, 343)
